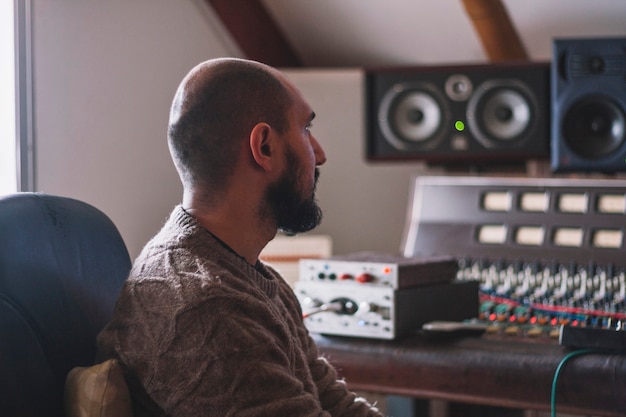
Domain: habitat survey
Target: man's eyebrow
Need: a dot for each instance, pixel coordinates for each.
(312, 116)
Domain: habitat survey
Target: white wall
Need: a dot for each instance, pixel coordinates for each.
(105, 73)
(104, 76)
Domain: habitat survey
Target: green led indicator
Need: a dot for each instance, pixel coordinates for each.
(459, 125)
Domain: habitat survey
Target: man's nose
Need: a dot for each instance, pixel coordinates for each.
(320, 155)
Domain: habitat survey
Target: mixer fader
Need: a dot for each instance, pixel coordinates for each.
(540, 296)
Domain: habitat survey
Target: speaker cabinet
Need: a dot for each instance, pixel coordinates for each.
(459, 114)
(588, 79)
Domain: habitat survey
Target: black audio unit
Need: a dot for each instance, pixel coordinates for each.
(459, 114)
(588, 80)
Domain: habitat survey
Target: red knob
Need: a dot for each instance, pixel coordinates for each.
(364, 278)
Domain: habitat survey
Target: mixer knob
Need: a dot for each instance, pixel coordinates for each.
(346, 306)
(365, 307)
(365, 278)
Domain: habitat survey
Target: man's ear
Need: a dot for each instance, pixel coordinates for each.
(262, 145)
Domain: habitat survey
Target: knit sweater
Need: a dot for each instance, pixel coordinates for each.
(202, 332)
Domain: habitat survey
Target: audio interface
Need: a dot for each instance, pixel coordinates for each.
(381, 296)
(380, 312)
(379, 269)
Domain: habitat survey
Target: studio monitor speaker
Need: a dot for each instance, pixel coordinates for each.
(588, 81)
(459, 114)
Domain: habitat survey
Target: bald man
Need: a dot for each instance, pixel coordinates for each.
(202, 326)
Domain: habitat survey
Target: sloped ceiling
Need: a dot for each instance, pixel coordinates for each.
(254, 30)
(344, 33)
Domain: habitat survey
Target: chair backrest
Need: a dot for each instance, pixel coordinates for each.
(62, 264)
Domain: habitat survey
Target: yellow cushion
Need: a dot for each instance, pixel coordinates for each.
(97, 391)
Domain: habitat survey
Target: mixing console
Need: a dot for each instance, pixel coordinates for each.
(547, 253)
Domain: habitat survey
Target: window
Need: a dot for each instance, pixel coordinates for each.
(15, 98)
(8, 129)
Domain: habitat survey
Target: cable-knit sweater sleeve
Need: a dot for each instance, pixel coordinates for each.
(332, 392)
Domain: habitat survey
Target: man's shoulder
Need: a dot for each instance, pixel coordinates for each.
(173, 266)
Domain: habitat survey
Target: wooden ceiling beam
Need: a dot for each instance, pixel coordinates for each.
(496, 30)
(256, 33)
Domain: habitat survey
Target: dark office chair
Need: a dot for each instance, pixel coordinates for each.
(62, 264)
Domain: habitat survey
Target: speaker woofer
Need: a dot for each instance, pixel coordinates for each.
(411, 116)
(501, 113)
(594, 127)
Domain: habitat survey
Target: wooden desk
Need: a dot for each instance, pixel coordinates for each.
(481, 370)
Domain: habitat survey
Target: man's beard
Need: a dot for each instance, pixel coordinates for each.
(292, 212)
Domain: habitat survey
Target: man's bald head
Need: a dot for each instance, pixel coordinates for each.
(215, 107)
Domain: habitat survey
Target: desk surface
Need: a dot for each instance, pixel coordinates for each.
(510, 372)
